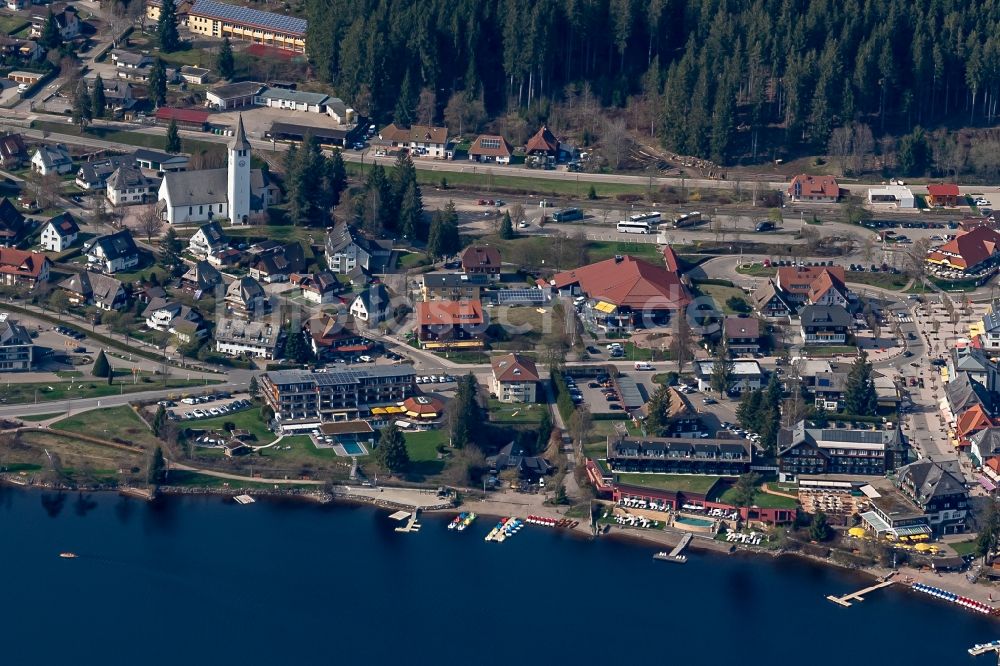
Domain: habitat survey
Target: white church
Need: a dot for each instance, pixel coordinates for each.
(234, 193)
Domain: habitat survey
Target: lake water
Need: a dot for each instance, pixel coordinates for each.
(204, 581)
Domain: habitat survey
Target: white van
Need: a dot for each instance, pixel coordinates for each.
(642, 365)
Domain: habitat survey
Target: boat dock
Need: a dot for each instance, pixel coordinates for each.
(675, 554)
(244, 499)
(411, 521)
(858, 596)
(983, 648)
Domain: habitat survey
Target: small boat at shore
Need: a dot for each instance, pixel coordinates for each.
(68, 556)
(459, 519)
(466, 521)
(495, 532)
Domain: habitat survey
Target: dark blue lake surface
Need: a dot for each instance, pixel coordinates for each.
(204, 581)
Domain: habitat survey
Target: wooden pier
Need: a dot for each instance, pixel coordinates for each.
(675, 554)
(858, 596)
(411, 521)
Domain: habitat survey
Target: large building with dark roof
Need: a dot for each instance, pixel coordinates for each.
(302, 400)
(804, 449)
(217, 19)
(679, 455)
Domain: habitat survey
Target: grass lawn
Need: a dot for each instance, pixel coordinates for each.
(155, 141)
(248, 419)
(894, 281)
(500, 182)
(596, 443)
(79, 461)
(964, 547)
(91, 387)
(408, 260)
(683, 482)
(40, 417)
(422, 447)
(119, 422)
(756, 270)
(501, 412)
(600, 250)
(11, 24)
(763, 500)
(303, 452)
(195, 480)
(720, 294)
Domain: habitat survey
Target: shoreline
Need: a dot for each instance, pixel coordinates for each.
(492, 510)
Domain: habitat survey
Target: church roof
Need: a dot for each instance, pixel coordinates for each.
(194, 188)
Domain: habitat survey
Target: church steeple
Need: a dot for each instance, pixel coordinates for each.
(238, 191)
(240, 139)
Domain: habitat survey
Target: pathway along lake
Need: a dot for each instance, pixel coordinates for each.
(201, 580)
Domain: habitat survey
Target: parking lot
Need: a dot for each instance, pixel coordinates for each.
(207, 406)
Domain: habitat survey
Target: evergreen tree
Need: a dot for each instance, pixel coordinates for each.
(159, 420)
(745, 490)
(336, 178)
(722, 368)
(682, 342)
(158, 81)
(156, 472)
(170, 251)
(173, 138)
(296, 348)
(51, 37)
(254, 387)
(860, 397)
(463, 413)
(819, 529)
(81, 105)
(544, 432)
(443, 239)
(748, 413)
(506, 227)
(657, 412)
(405, 103)
(98, 101)
(914, 154)
(391, 452)
(225, 62)
(166, 29)
(411, 214)
(101, 366)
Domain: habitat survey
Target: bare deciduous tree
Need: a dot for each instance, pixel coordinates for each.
(840, 146)
(616, 142)
(149, 223)
(426, 107)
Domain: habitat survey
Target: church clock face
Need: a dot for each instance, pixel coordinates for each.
(243, 163)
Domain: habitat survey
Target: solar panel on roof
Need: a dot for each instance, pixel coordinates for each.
(520, 296)
(245, 15)
(859, 436)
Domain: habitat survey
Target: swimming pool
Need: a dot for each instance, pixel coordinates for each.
(353, 449)
(695, 522)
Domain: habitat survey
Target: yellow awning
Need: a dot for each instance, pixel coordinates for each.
(393, 410)
(379, 410)
(922, 547)
(856, 531)
(606, 308)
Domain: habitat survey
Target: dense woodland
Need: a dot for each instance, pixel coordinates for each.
(730, 80)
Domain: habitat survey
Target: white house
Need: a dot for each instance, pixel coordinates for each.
(899, 196)
(112, 253)
(51, 159)
(209, 239)
(233, 193)
(320, 288)
(346, 250)
(236, 337)
(59, 233)
(372, 305)
(514, 378)
(745, 376)
(418, 139)
(129, 186)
